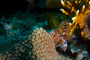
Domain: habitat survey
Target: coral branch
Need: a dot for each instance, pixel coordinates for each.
(80, 8)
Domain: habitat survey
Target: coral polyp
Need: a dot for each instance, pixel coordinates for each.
(80, 8)
(61, 35)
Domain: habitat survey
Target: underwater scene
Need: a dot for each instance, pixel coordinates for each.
(45, 30)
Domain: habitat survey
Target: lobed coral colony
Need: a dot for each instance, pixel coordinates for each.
(42, 45)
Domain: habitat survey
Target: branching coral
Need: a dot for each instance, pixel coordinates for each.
(80, 8)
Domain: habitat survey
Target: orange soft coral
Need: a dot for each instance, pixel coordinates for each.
(80, 8)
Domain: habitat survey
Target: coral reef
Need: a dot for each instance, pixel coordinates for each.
(40, 45)
(44, 47)
(21, 51)
(79, 25)
(80, 8)
(59, 43)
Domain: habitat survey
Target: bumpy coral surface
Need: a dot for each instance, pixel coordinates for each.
(43, 45)
(21, 51)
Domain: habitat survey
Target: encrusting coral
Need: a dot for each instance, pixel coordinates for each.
(21, 51)
(80, 8)
(40, 45)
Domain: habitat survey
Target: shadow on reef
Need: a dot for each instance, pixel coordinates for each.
(12, 6)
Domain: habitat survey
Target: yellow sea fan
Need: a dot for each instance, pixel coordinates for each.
(80, 8)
